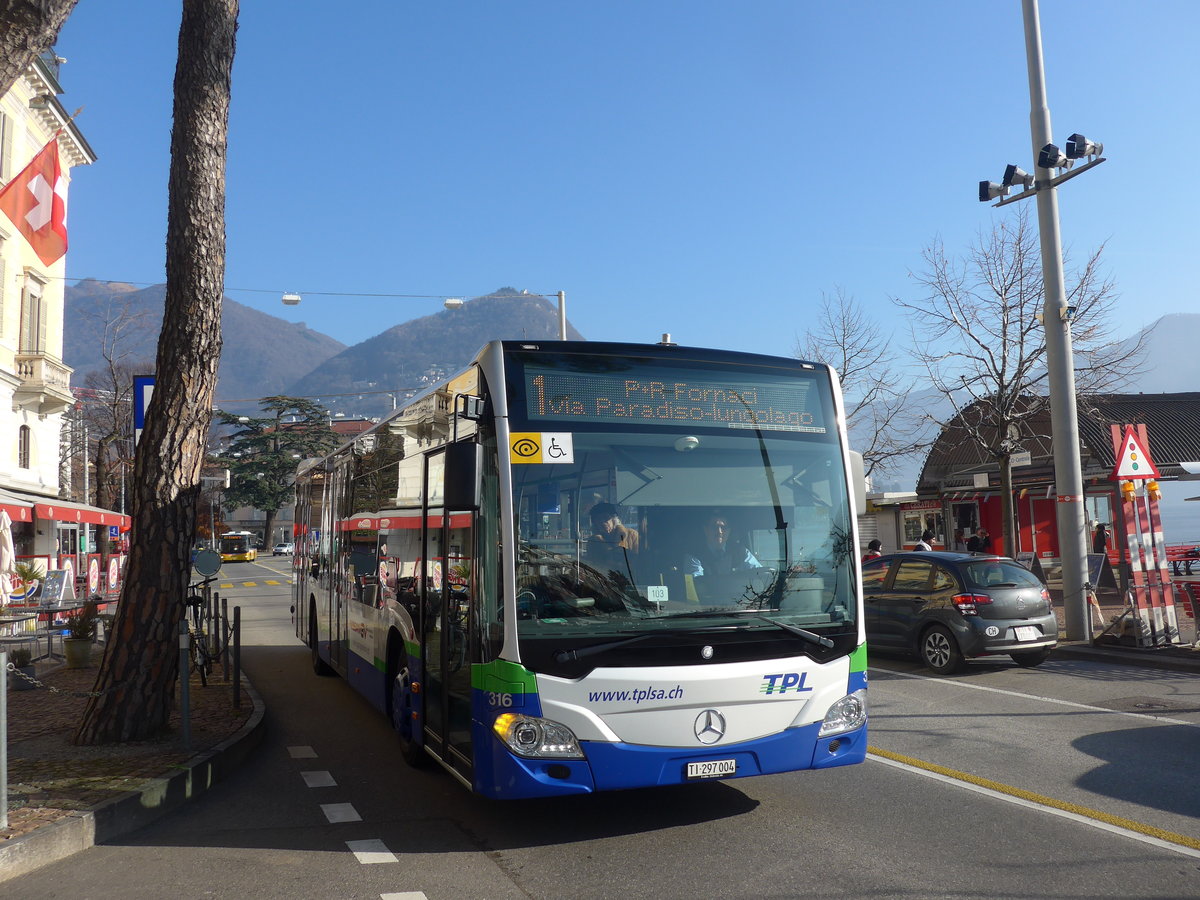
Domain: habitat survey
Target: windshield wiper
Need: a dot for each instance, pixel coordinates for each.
(810, 636)
(565, 656)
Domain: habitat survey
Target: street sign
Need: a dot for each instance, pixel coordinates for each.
(1024, 458)
(1133, 460)
(143, 389)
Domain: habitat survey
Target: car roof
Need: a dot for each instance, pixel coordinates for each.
(946, 556)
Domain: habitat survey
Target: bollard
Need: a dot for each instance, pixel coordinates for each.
(224, 632)
(4, 740)
(185, 678)
(237, 657)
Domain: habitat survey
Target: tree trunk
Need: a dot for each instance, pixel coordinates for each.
(27, 28)
(135, 685)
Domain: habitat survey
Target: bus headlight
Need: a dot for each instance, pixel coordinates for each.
(537, 738)
(847, 714)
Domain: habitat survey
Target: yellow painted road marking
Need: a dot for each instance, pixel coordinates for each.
(269, 581)
(1161, 834)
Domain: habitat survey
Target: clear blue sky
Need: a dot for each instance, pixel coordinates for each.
(703, 168)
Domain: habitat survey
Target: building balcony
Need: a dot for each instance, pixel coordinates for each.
(45, 386)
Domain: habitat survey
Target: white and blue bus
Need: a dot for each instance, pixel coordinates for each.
(524, 568)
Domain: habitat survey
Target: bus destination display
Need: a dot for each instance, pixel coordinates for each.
(672, 397)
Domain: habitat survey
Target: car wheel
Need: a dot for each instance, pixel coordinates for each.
(1032, 658)
(939, 651)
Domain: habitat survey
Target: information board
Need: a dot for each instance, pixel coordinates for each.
(58, 585)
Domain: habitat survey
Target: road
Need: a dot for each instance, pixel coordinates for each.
(991, 784)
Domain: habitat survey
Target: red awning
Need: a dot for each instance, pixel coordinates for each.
(64, 511)
(375, 522)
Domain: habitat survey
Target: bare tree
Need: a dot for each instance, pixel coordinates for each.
(977, 332)
(877, 412)
(106, 401)
(27, 29)
(134, 690)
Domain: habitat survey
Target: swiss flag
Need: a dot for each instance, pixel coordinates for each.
(36, 201)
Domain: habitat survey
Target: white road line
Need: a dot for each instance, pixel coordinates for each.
(302, 753)
(340, 812)
(371, 852)
(405, 895)
(1028, 804)
(318, 779)
(991, 690)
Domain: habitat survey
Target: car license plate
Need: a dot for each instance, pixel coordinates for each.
(1027, 633)
(712, 768)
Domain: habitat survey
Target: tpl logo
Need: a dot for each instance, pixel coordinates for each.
(795, 682)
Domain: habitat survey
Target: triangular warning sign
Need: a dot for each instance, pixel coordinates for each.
(1133, 461)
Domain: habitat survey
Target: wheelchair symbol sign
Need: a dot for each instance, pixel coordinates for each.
(541, 447)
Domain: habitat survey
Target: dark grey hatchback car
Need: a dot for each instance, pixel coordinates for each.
(950, 607)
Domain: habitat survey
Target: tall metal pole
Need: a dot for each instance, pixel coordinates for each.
(562, 315)
(1068, 471)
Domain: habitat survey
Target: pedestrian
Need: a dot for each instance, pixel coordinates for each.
(926, 541)
(874, 550)
(1100, 538)
(980, 542)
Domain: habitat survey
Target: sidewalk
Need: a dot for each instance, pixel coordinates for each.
(63, 798)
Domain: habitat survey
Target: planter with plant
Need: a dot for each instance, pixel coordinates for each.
(22, 661)
(26, 581)
(81, 632)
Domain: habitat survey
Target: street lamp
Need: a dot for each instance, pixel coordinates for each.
(1068, 471)
(561, 296)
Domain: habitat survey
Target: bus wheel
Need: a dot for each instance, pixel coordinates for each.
(401, 714)
(319, 665)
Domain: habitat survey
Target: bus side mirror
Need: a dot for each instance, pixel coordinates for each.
(464, 463)
(858, 480)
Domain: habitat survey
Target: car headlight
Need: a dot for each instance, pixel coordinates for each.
(847, 714)
(537, 738)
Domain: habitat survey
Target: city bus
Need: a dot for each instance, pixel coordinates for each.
(238, 546)
(450, 567)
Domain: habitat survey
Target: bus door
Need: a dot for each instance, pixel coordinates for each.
(340, 577)
(447, 628)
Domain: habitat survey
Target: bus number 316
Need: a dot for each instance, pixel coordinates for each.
(501, 700)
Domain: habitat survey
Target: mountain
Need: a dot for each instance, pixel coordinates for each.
(1172, 363)
(408, 356)
(261, 355)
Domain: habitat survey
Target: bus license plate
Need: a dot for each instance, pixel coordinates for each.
(1027, 633)
(712, 768)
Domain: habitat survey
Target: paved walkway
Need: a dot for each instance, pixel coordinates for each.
(63, 798)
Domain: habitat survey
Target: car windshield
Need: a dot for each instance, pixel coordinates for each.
(641, 533)
(985, 573)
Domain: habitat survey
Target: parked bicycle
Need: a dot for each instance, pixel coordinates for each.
(206, 648)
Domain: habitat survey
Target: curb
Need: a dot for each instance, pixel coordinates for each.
(133, 810)
(1174, 659)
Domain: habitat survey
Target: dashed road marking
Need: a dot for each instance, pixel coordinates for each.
(318, 779)
(371, 852)
(340, 812)
(404, 895)
(302, 753)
